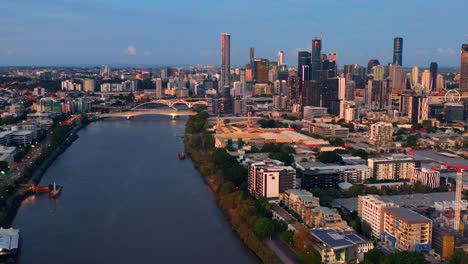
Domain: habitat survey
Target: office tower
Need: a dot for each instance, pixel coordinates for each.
(328, 69)
(371, 64)
(316, 59)
(311, 93)
(283, 72)
(280, 58)
(414, 76)
(261, 70)
(398, 51)
(433, 70)
(304, 58)
(225, 62)
(464, 69)
(426, 80)
(381, 134)
(295, 93)
(378, 72)
(252, 56)
(378, 94)
(348, 71)
(330, 94)
(158, 88)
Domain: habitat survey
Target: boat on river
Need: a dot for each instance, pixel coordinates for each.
(181, 155)
(55, 190)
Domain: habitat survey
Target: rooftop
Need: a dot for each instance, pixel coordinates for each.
(407, 215)
(336, 240)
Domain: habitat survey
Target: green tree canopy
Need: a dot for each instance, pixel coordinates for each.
(264, 227)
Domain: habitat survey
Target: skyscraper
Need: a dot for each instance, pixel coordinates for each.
(280, 58)
(464, 69)
(415, 75)
(433, 70)
(378, 72)
(303, 58)
(315, 57)
(252, 56)
(225, 61)
(371, 64)
(398, 79)
(398, 51)
(426, 80)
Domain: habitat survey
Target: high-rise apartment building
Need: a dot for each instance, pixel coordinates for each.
(406, 230)
(89, 85)
(381, 134)
(398, 51)
(464, 69)
(398, 78)
(378, 94)
(378, 72)
(371, 210)
(270, 178)
(414, 76)
(316, 60)
(225, 62)
(426, 80)
(158, 83)
(397, 166)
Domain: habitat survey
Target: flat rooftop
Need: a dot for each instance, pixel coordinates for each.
(406, 215)
(439, 158)
(405, 200)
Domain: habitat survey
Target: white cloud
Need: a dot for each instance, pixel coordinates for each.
(448, 51)
(131, 50)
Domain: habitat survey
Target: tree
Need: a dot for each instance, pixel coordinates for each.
(355, 190)
(411, 141)
(373, 256)
(288, 159)
(366, 229)
(4, 166)
(337, 142)
(263, 227)
(360, 153)
(240, 143)
(329, 157)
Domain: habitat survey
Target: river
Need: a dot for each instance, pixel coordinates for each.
(127, 198)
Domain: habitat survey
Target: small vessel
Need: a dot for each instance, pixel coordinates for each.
(181, 155)
(9, 241)
(55, 190)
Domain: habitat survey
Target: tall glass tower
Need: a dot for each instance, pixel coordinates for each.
(225, 61)
(398, 51)
(316, 61)
(433, 69)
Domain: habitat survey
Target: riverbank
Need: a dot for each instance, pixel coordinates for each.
(226, 180)
(16, 196)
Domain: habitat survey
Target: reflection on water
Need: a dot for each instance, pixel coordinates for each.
(127, 198)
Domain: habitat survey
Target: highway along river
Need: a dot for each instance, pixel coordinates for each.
(127, 198)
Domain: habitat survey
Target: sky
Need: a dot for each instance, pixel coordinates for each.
(181, 32)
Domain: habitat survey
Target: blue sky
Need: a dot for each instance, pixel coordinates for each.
(44, 32)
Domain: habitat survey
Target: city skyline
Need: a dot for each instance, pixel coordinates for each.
(97, 33)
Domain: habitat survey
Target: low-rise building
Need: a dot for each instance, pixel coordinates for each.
(320, 179)
(328, 130)
(22, 137)
(324, 217)
(406, 230)
(299, 200)
(7, 154)
(337, 246)
(426, 177)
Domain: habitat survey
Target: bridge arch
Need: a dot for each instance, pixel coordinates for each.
(171, 103)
